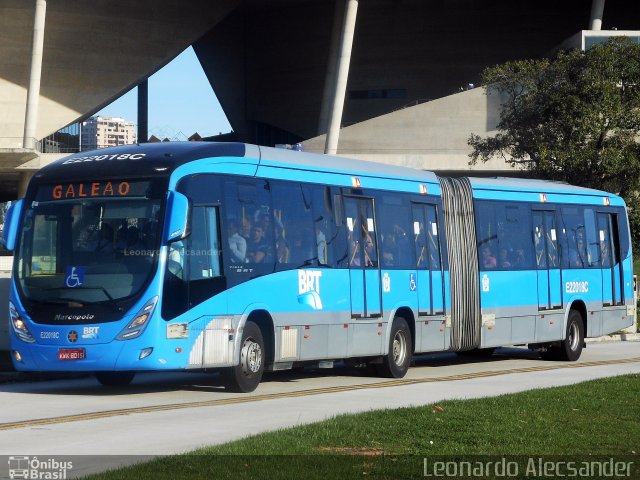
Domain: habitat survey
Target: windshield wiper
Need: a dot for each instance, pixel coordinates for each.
(104, 290)
(63, 301)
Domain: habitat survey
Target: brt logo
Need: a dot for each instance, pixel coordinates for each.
(309, 288)
(309, 281)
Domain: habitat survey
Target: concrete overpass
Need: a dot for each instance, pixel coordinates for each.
(275, 64)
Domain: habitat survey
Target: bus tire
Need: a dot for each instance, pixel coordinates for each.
(115, 379)
(245, 377)
(571, 347)
(396, 363)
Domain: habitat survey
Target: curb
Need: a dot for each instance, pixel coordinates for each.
(621, 337)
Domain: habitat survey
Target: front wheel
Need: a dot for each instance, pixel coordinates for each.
(115, 379)
(246, 376)
(396, 363)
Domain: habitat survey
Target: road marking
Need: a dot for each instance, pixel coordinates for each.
(302, 393)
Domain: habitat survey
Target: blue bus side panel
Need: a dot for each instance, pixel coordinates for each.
(424, 288)
(356, 282)
(438, 288)
(372, 284)
(555, 288)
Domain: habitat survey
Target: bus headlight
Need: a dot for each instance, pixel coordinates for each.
(139, 322)
(19, 325)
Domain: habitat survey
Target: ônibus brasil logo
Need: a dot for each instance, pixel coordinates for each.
(35, 468)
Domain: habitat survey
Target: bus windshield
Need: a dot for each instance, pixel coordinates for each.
(86, 249)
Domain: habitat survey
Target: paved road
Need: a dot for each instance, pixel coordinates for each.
(170, 413)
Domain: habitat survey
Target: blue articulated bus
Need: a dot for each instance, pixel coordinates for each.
(243, 259)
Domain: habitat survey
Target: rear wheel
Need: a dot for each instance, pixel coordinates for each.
(571, 347)
(115, 379)
(246, 376)
(396, 363)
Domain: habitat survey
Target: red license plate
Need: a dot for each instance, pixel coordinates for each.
(72, 354)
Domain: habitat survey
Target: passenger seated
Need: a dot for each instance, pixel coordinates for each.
(104, 241)
(488, 259)
(578, 256)
(503, 261)
(258, 250)
(237, 244)
(388, 252)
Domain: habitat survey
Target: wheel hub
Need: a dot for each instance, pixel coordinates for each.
(399, 348)
(251, 357)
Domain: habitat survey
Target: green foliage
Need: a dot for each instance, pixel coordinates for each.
(575, 118)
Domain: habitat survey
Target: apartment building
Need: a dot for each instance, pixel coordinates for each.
(102, 131)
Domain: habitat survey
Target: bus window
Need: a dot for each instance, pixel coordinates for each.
(294, 235)
(604, 240)
(539, 240)
(419, 237)
(395, 225)
(487, 233)
(323, 224)
(591, 239)
(194, 265)
(360, 222)
(574, 238)
(433, 239)
(44, 259)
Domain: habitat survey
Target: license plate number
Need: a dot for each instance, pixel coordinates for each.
(71, 354)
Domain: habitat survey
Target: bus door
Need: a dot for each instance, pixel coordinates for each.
(363, 258)
(610, 260)
(547, 260)
(430, 279)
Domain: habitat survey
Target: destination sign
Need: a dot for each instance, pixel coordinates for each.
(77, 190)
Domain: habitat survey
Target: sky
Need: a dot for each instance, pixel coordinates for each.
(181, 102)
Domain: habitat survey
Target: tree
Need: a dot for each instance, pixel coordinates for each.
(574, 118)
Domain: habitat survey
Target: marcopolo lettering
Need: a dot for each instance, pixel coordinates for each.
(62, 317)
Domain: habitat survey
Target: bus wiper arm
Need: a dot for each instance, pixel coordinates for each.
(63, 301)
(104, 290)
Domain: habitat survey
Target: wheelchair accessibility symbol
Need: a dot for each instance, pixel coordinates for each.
(74, 277)
(412, 282)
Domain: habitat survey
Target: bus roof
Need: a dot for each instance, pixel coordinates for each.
(152, 158)
(542, 186)
(162, 158)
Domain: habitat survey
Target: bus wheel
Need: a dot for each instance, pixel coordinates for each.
(571, 347)
(396, 363)
(115, 379)
(246, 376)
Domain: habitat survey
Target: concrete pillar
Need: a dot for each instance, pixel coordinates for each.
(143, 111)
(597, 11)
(332, 65)
(33, 92)
(25, 176)
(342, 74)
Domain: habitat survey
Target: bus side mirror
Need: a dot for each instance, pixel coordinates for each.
(10, 226)
(176, 225)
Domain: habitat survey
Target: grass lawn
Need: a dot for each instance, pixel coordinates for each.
(596, 419)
